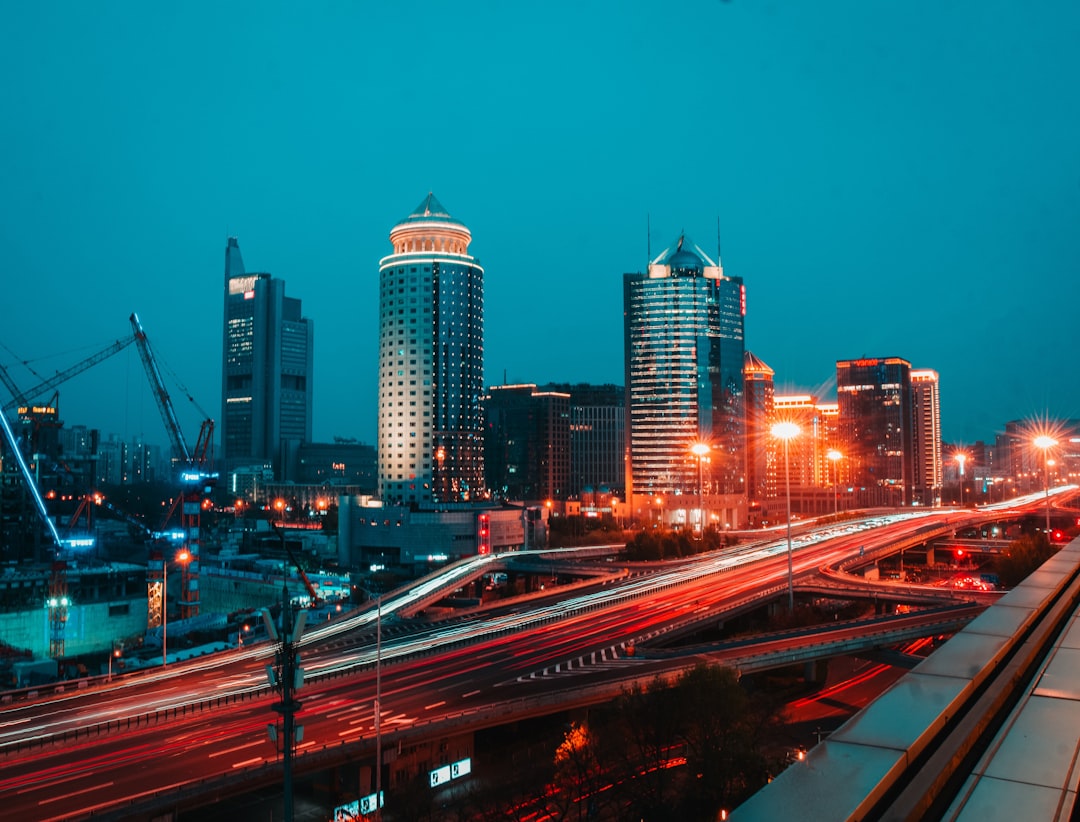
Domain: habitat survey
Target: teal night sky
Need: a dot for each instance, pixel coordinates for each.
(890, 179)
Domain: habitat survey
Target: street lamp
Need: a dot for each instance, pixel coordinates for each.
(1045, 443)
(700, 449)
(183, 556)
(785, 431)
(115, 653)
(961, 459)
(835, 457)
(164, 608)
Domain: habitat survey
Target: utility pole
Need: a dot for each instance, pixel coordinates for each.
(378, 709)
(288, 680)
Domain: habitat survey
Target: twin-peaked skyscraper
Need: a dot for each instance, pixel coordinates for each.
(266, 376)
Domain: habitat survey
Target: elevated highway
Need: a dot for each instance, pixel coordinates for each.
(177, 736)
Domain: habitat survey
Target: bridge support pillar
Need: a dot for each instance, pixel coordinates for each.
(816, 670)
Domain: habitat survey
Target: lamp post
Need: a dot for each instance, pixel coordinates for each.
(961, 459)
(1045, 443)
(700, 449)
(183, 556)
(785, 431)
(164, 609)
(835, 457)
(116, 653)
(378, 708)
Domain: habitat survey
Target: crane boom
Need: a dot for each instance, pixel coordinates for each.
(66, 374)
(161, 394)
(16, 393)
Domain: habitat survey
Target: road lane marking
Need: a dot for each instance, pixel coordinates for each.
(351, 710)
(237, 748)
(247, 762)
(75, 793)
(470, 693)
(434, 705)
(350, 731)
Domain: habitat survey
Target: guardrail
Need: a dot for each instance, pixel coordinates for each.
(904, 756)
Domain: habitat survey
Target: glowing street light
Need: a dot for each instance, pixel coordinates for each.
(834, 457)
(1044, 443)
(700, 449)
(115, 653)
(785, 431)
(961, 459)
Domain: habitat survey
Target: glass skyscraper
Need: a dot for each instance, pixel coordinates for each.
(431, 362)
(266, 372)
(684, 348)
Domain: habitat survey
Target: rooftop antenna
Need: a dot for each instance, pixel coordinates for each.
(719, 262)
(648, 240)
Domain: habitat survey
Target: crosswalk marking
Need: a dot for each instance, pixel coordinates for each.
(605, 658)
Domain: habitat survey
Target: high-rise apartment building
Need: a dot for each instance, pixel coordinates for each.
(431, 362)
(876, 426)
(597, 436)
(266, 379)
(760, 456)
(926, 438)
(527, 443)
(683, 332)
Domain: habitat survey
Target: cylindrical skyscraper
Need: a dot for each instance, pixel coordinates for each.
(431, 362)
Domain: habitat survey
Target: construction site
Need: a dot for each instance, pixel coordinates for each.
(87, 585)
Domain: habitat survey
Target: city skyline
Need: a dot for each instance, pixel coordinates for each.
(885, 183)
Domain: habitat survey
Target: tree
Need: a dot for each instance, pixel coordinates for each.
(723, 729)
(578, 773)
(644, 747)
(1023, 556)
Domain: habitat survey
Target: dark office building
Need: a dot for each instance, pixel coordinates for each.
(527, 443)
(597, 436)
(758, 402)
(876, 427)
(336, 464)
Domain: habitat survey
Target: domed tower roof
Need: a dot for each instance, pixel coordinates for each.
(430, 229)
(685, 255)
(429, 209)
(752, 364)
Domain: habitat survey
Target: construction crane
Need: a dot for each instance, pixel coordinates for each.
(24, 397)
(196, 481)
